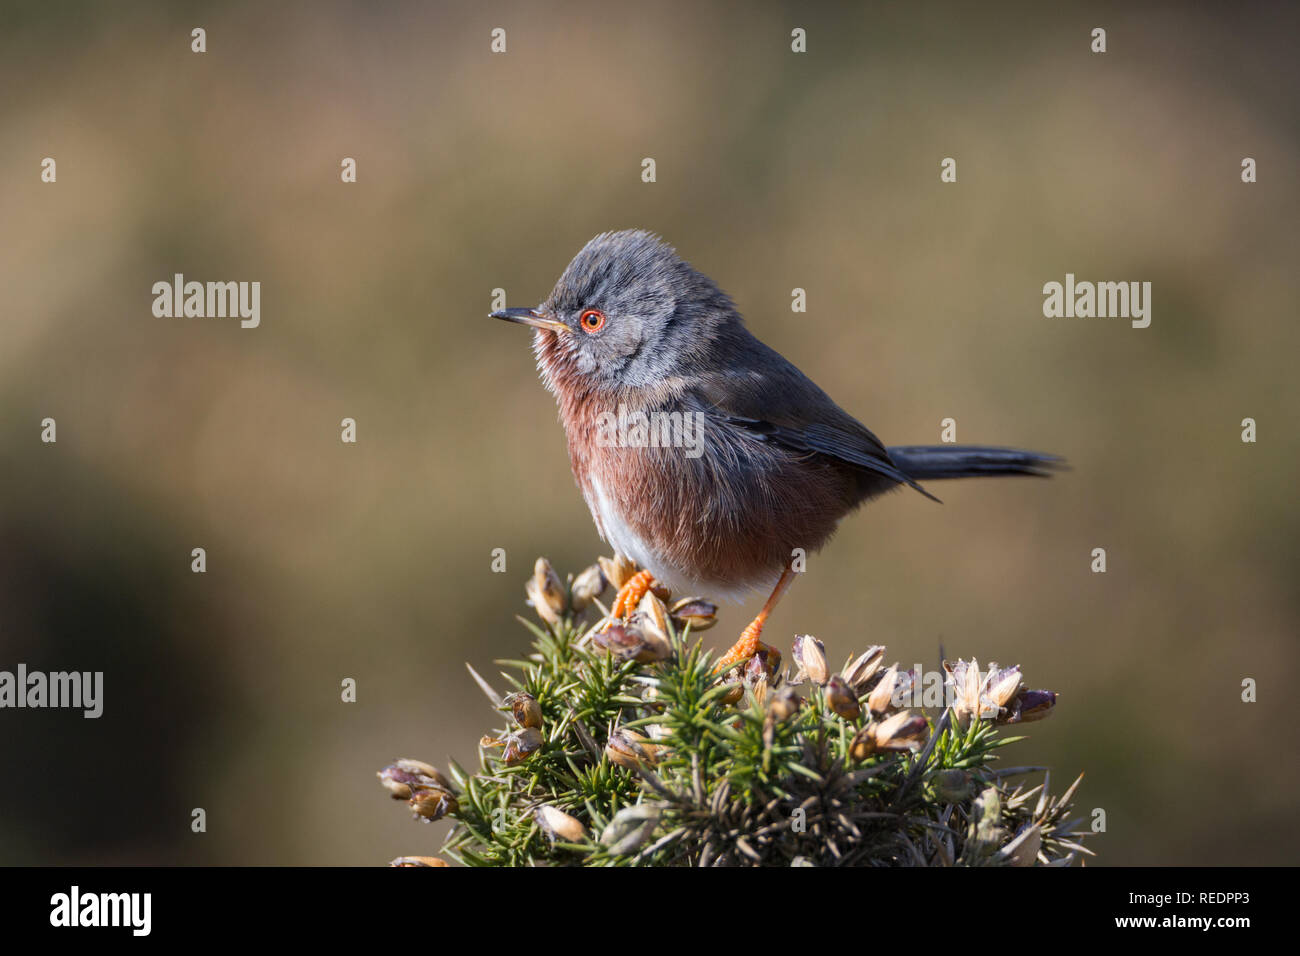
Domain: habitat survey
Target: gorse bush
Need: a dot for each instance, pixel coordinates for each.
(623, 744)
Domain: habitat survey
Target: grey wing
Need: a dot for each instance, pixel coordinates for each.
(775, 402)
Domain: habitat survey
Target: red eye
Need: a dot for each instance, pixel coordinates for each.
(592, 320)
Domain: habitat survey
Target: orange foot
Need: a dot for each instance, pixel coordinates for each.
(745, 648)
(749, 638)
(630, 595)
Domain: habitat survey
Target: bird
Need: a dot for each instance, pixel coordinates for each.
(767, 463)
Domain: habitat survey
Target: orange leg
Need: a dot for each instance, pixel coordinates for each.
(630, 594)
(748, 643)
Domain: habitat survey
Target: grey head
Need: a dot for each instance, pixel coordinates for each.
(628, 312)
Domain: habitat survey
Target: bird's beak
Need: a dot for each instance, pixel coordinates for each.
(530, 317)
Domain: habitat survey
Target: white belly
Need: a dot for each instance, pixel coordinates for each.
(626, 541)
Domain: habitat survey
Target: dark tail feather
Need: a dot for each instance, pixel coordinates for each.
(923, 462)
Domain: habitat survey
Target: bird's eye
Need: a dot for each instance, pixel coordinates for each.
(592, 320)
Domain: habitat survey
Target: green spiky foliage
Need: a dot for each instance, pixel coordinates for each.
(771, 779)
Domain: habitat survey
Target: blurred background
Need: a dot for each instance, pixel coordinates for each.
(774, 170)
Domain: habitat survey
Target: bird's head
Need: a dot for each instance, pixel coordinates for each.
(628, 312)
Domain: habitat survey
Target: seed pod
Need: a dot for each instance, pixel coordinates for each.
(881, 698)
(735, 690)
(525, 709)
(617, 569)
(651, 618)
(587, 586)
(657, 647)
(784, 703)
(399, 777)
(627, 748)
(653, 613)
(546, 592)
(1030, 705)
(432, 803)
(841, 700)
(863, 744)
(1002, 685)
(522, 745)
(858, 673)
(903, 731)
(697, 613)
(766, 662)
(963, 688)
(906, 730)
(626, 642)
(810, 657)
(558, 825)
(419, 861)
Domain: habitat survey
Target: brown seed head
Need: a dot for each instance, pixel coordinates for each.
(810, 657)
(841, 699)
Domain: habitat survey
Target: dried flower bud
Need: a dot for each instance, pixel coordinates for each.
(654, 613)
(558, 825)
(693, 612)
(419, 861)
(546, 592)
(1002, 685)
(903, 731)
(617, 570)
(881, 697)
(657, 646)
(841, 699)
(858, 673)
(766, 662)
(784, 704)
(735, 690)
(525, 709)
(1030, 705)
(810, 657)
(399, 777)
(651, 617)
(863, 744)
(906, 730)
(587, 586)
(521, 745)
(630, 642)
(627, 748)
(432, 803)
(965, 690)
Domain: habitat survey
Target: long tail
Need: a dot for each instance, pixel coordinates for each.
(922, 462)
